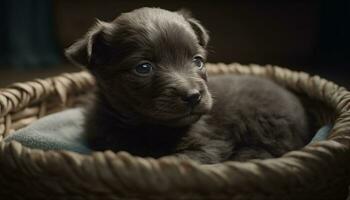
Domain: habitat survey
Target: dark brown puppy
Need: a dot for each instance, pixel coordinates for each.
(153, 98)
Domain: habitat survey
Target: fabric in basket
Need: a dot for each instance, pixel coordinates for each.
(59, 131)
(64, 131)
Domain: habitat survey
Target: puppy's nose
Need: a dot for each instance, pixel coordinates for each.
(192, 98)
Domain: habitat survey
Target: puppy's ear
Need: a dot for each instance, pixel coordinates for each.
(201, 32)
(91, 50)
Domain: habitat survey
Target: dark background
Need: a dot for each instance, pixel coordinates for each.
(311, 36)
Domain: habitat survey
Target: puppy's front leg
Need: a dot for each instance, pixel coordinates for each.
(199, 156)
(244, 154)
(205, 151)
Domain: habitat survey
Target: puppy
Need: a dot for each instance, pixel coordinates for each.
(153, 98)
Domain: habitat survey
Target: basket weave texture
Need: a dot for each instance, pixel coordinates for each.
(318, 171)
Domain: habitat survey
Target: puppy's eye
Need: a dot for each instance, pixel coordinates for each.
(144, 68)
(198, 62)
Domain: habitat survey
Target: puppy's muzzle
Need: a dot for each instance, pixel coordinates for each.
(192, 97)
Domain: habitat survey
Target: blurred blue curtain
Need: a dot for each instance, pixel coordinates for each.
(27, 38)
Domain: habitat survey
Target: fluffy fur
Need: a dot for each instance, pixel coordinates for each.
(236, 117)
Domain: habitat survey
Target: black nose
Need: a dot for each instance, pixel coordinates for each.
(193, 97)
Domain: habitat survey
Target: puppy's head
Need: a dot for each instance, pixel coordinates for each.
(150, 62)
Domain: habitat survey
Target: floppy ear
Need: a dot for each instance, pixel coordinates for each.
(201, 32)
(91, 50)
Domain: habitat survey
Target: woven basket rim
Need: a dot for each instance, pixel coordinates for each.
(131, 173)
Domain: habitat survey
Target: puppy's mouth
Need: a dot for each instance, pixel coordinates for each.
(183, 119)
(187, 115)
(179, 114)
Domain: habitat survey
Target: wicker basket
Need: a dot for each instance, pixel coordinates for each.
(318, 171)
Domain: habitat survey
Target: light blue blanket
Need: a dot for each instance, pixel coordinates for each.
(58, 131)
(63, 131)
